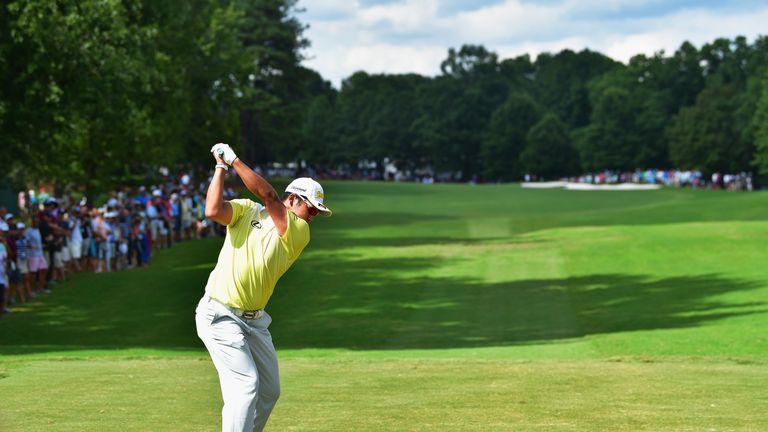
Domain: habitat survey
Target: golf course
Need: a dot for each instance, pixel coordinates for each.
(434, 307)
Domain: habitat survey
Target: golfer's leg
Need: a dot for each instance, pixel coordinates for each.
(264, 355)
(238, 376)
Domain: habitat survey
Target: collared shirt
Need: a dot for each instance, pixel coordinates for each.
(34, 242)
(76, 234)
(152, 211)
(254, 256)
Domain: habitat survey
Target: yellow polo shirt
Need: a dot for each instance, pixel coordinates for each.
(254, 256)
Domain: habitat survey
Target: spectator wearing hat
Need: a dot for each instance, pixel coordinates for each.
(53, 239)
(46, 234)
(51, 205)
(21, 261)
(38, 266)
(62, 241)
(187, 216)
(53, 242)
(134, 235)
(100, 233)
(123, 228)
(161, 224)
(155, 216)
(110, 221)
(136, 243)
(142, 197)
(75, 241)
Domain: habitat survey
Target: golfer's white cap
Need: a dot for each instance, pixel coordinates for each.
(312, 191)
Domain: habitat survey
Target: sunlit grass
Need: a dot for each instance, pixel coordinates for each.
(436, 307)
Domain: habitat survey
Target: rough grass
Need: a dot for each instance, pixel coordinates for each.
(435, 307)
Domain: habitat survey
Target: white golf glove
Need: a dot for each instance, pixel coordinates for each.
(225, 152)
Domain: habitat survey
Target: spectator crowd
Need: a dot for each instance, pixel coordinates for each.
(675, 178)
(54, 237)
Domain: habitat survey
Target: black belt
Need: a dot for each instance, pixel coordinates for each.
(247, 314)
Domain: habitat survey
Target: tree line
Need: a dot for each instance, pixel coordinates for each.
(93, 93)
(556, 115)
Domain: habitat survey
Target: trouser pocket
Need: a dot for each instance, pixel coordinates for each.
(205, 315)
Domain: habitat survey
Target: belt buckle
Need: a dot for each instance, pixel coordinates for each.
(250, 314)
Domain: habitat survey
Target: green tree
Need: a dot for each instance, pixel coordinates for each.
(390, 134)
(469, 60)
(84, 68)
(355, 115)
(608, 142)
(455, 109)
(320, 132)
(760, 127)
(272, 79)
(505, 137)
(561, 83)
(703, 137)
(549, 153)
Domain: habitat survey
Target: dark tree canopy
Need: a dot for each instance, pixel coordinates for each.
(549, 153)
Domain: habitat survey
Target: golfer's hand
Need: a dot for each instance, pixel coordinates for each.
(225, 152)
(217, 158)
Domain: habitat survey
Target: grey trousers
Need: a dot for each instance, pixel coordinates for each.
(245, 358)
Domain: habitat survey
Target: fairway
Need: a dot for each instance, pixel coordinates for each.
(432, 308)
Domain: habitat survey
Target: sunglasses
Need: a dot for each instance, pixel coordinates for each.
(313, 211)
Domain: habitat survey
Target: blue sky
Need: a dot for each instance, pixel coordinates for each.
(401, 36)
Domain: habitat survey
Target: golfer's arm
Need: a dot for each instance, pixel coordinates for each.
(216, 209)
(265, 192)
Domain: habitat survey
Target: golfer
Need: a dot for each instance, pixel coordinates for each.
(261, 244)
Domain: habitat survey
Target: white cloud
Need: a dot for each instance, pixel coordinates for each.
(324, 9)
(414, 35)
(507, 20)
(381, 58)
(409, 15)
(696, 26)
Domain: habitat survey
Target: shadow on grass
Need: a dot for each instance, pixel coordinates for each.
(348, 222)
(365, 304)
(357, 306)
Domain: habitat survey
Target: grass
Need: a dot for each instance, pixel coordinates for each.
(400, 394)
(436, 307)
